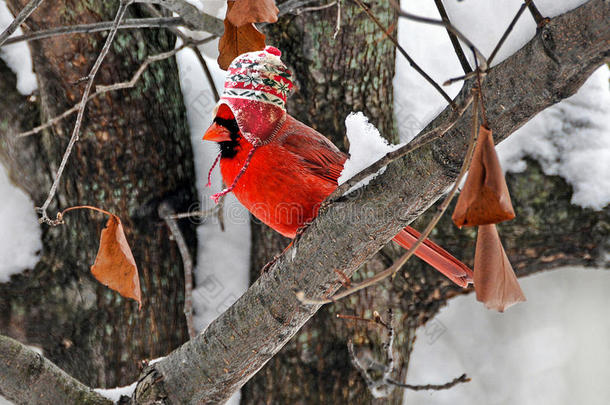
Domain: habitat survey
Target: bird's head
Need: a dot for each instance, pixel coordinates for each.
(225, 131)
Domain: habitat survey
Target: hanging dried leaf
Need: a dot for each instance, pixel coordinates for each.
(253, 11)
(495, 281)
(114, 265)
(236, 41)
(484, 198)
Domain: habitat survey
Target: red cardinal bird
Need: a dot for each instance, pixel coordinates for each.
(279, 168)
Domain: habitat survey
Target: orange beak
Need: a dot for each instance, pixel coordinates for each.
(217, 133)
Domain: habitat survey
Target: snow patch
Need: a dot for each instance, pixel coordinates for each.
(570, 139)
(17, 56)
(366, 146)
(20, 241)
(223, 262)
(550, 350)
(114, 394)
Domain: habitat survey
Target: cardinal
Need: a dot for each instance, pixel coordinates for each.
(280, 169)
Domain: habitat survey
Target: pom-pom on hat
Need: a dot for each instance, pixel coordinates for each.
(256, 89)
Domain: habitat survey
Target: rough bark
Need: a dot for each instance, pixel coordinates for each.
(32, 378)
(211, 367)
(134, 151)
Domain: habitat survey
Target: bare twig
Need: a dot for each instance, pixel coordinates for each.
(21, 17)
(507, 32)
(376, 320)
(436, 387)
(480, 93)
(207, 72)
(457, 47)
(81, 110)
(540, 20)
(390, 271)
(131, 23)
(404, 53)
(370, 383)
(389, 346)
(167, 214)
(197, 214)
(448, 26)
(195, 48)
(496, 49)
(385, 385)
(297, 6)
(314, 8)
(338, 26)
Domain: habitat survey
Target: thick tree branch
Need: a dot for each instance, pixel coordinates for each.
(211, 367)
(29, 378)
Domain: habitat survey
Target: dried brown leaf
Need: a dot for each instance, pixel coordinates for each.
(114, 265)
(253, 11)
(484, 198)
(238, 40)
(495, 281)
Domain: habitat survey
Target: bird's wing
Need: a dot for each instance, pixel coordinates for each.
(319, 155)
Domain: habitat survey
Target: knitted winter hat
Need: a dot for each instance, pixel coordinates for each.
(256, 88)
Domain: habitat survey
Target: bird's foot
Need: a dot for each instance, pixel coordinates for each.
(267, 266)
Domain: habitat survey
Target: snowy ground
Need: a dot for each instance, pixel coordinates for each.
(553, 349)
(548, 350)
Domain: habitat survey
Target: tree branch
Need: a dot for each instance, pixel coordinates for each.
(131, 23)
(166, 213)
(28, 378)
(211, 367)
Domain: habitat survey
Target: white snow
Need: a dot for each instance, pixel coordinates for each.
(19, 230)
(4, 401)
(223, 263)
(366, 146)
(17, 56)
(214, 8)
(114, 394)
(572, 140)
(550, 350)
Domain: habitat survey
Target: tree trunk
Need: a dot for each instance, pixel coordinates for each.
(134, 152)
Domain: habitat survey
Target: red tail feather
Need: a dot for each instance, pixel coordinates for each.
(436, 257)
